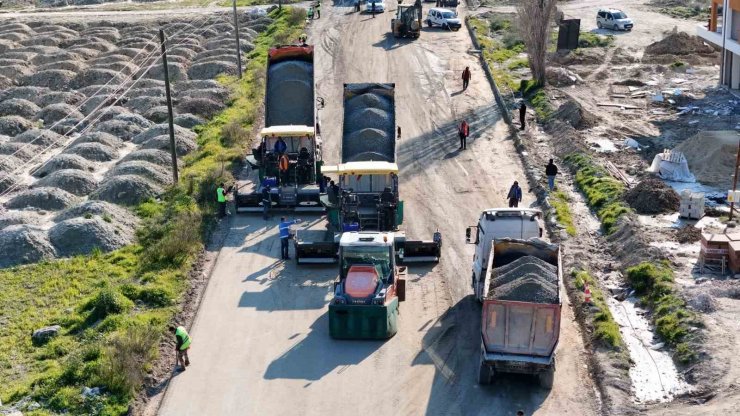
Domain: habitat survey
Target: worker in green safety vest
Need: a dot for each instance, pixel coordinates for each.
(181, 346)
(221, 193)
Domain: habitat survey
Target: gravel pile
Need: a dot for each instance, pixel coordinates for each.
(653, 196)
(74, 181)
(67, 97)
(117, 214)
(93, 76)
(64, 161)
(163, 129)
(55, 112)
(19, 107)
(183, 145)
(23, 244)
(216, 94)
(143, 104)
(147, 170)
(177, 72)
(526, 279)
(369, 124)
(158, 157)
(99, 137)
(5, 82)
(40, 137)
(15, 71)
(119, 128)
(31, 94)
(14, 125)
(203, 107)
(188, 120)
(22, 151)
(210, 70)
(82, 235)
(157, 114)
(291, 85)
(126, 190)
(18, 217)
(96, 152)
(47, 199)
(56, 79)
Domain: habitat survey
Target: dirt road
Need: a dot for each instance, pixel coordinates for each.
(261, 343)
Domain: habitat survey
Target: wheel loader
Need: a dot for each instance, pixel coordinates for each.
(407, 23)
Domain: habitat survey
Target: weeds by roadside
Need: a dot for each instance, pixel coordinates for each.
(606, 329)
(560, 201)
(113, 308)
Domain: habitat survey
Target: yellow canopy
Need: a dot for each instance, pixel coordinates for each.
(361, 168)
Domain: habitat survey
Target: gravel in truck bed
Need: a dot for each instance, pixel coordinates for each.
(526, 279)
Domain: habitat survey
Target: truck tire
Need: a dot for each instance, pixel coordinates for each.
(547, 378)
(484, 373)
(401, 288)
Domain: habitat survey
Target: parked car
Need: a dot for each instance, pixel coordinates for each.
(613, 19)
(379, 6)
(447, 19)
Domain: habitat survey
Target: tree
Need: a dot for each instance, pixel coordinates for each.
(535, 17)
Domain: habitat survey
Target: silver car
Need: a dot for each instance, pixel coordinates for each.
(613, 19)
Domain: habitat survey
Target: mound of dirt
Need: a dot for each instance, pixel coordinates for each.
(88, 209)
(55, 112)
(528, 288)
(574, 114)
(188, 121)
(22, 151)
(135, 119)
(679, 43)
(47, 199)
(23, 244)
(125, 131)
(19, 107)
(158, 157)
(97, 152)
(14, 125)
(94, 76)
(653, 196)
(157, 114)
(66, 97)
(126, 190)
(183, 145)
(40, 137)
(204, 107)
(99, 137)
(18, 217)
(83, 235)
(74, 181)
(163, 129)
(148, 170)
(55, 79)
(64, 161)
(711, 157)
(561, 77)
(581, 56)
(31, 94)
(210, 70)
(143, 104)
(688, 234)
(177, 72)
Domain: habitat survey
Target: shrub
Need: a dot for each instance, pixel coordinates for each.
(593, 40)
(233, 133)
(153, 296)
(499, 23)
(108, 301)
(123, 363)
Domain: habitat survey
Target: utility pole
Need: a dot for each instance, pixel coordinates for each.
(238, 43)
(173, 150)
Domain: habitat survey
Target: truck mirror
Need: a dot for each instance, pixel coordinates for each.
(469, 234)
(540, 231)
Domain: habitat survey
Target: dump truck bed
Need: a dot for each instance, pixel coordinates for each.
(369, 123)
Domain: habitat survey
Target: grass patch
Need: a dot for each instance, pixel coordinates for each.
(518, 64)
(113, 308)
(246, 3)
(594, 40)
(677, 65)
(561, 202)
(502, 55)
(603, 192)
(684, 12)
(672, 319)
(606, 329)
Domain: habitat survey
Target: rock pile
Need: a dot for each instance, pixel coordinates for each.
(526, 279)
(369, 124)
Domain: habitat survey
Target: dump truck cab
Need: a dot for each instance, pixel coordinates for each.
(369, 287)
(497, 223)
(367, 197)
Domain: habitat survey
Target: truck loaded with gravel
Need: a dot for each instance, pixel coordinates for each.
(288, 157)
(516, 277)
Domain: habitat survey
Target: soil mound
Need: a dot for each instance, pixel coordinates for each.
(56, 79)
(679, 43)
(119, 128)
(653, 196)
(83, 235)
(40, 137)
(126, 190)
(574, 114)
(204, 107)
(188, 120)
(76, 182)
(18, 217)
(210, 70)
(183, 145)
(148, 170)
(64, 161)
(18, 107)
(14, 125)
(23, 244)
(99, 137)
(711, 157)
(97, 152)
(105, 210)
(48, 199)
(688, 234)
(55, 112)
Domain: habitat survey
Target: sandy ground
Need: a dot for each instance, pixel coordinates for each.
(261, 343)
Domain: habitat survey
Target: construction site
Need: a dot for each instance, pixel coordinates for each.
(237, 208)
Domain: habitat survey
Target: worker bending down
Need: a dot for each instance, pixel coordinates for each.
(182, 345)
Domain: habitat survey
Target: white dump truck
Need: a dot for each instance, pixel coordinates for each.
(516, 277)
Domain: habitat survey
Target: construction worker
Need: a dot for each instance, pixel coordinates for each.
(283, 165)
(318, 10)
(266, 202)
(466, 77)
(310, 13)
(522, 115)
(373, 9)
(357, 6)
(280, 146)
(284, 229)
(221, 199)
(515, 195)
(182, 344)
(463, 131)
(399, 132)
(302, 39)
(550, 171)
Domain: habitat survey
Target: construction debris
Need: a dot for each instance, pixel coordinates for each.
(652, 196)
(688, 234)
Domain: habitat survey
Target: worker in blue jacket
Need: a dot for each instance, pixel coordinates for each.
(515, 195)
(284, 228)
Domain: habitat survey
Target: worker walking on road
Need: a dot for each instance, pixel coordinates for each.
(373, 9)
(266, 202)
(515, 195)
(357, 6)
(550, 171)
(522, 115)
(182, 344)
(463, 131)
(310, 13)
(466, 77)
(285, 236)
(221, 193)
(318, 10)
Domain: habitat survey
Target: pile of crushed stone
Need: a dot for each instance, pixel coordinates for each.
(653, 196)
(526, 279)
(369, 124)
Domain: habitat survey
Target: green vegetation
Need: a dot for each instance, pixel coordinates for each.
(683, 12)
(673, 321)
(603, 193)
(518, 64)
(678, 65)
(501, 55)
(606, 330)
(113, 308)
(561, 202)
(593, 40)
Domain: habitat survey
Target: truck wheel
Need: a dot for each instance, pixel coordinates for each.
(547, 378)
(484, 373)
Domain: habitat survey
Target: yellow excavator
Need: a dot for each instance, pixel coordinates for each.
(407, 23)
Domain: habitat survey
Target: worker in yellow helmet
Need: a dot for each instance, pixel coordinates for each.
(182, 346)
